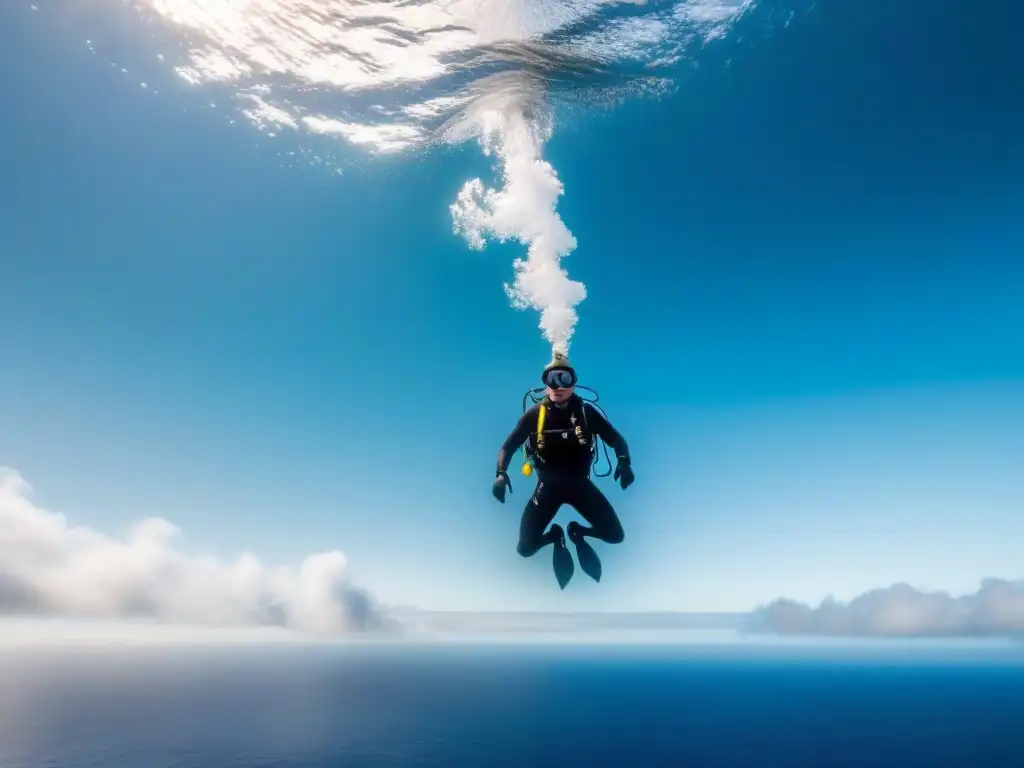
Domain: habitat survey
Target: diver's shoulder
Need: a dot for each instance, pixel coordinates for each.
(591, 411)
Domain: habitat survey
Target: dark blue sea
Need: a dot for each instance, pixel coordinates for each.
(491, 705)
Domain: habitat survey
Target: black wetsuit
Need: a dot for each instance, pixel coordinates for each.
(563, 471)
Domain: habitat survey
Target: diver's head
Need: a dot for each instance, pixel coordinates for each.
(559, 379)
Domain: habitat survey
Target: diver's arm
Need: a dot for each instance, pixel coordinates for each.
(607, 432)
(515, 440)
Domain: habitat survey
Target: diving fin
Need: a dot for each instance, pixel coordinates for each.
(561, 558)
(590, 563)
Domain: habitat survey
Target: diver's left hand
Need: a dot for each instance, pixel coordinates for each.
(624, 473)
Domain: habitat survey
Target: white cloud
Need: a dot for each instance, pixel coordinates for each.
(525, 208)
(51, 568)
(996, 609)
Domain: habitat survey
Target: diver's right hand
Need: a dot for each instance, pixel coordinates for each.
(501, 482)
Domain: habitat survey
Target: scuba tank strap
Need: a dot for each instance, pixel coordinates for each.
(583, 434)
(532, 456)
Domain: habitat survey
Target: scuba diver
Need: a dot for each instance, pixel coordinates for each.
(560, 434)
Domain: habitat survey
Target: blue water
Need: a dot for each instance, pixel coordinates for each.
(497, 706)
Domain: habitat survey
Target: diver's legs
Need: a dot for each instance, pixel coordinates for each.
(595, 508)
(540, 511)
(537, 516)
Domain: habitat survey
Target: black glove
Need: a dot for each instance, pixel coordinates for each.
(624, 473)
(501, 482)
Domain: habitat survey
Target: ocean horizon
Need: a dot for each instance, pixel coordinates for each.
(507, 704)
